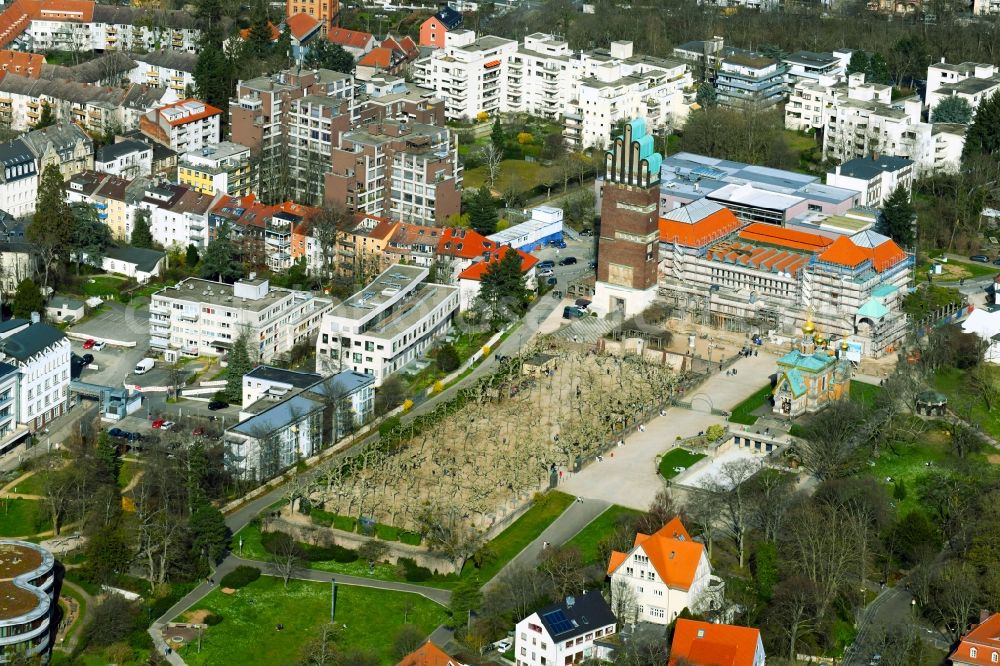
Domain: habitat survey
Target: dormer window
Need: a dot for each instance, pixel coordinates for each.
(973, 652)
(995, 657)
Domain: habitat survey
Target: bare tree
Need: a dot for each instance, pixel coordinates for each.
(321, 651)
(492, 156)
(704, 508)
(624, 602)
(564, 567)
(286, 558)
(737, 505)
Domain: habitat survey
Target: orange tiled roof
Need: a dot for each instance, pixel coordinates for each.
(671, 552)
(380, 56)
(345, 37)
(67, 10)
(428, 654)
(183, 120)
(476, 270)
(755, 256)
(301, 25)
(18, 15)
(408, 234)
(700, 233)
(22, 63)
(464, 243)
(845, 252)
(790, 238)
(985, 638)
(275, 33)
(709, 644)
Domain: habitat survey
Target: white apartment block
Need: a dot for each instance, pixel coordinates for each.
(126, 159)
(166, 68)
(812, 66)
(564, 633)
(88, 26)
(183, 126)
(875, 179)
(469, 74)
(220, 169)
(385, 326)
(178, 215)
(972, 81)
(41, 354)
(199, 317)
(661, 575)
(860, 119)
(615, 85)
(18, 178)
(539, 78)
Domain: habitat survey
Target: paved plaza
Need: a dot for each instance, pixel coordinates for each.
(629, 476)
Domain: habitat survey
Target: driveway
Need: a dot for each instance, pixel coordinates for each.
(628, 474)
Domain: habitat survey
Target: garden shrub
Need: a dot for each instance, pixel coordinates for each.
(413, 572)
(411, 538)
(241, 576)
(274, 542)
(386, 532)
(327, 553)
(213, 619)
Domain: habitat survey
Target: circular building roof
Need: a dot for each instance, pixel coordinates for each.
(931, 397)
(20, 563)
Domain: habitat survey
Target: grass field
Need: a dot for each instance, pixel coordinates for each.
(677, 458)
(101, 285)
(864, 392)
(743, 412)
(908, 465)
(525, 175)
(128, 472)
(957, 270)
(590, 536)
(950, 382)
(33, 485)
(20, 517)
(248, 632)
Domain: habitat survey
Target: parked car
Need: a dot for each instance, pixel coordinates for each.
(99, 345)
(503, 645)
(89, 343)
(568, 261)
(87, 359)
(561, 245)
(996, 262)
(162, 424)
(217, 404)
(545, 272)
(572, 312)
(144, 366)
(548, 263)
(117, 433)
(981, 258)
(551, 280)
(158, 422)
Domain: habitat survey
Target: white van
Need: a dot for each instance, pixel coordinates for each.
(144, 366)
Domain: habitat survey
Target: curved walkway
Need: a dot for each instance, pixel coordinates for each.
(82, 620)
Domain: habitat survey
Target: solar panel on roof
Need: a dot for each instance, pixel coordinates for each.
(708, 172)
(558, 622)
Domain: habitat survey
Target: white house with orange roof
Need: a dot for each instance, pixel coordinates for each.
(716, 644)
(663, 574)
(981, 646)
(183, 126)
(470, 279)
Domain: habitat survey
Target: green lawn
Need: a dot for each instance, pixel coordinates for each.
(864, 392)
(677, 458)
(525, 175)
(590, 536)
(102, 285)
(20, 517)
(521, 532)
(743, 412)
(128, 472)
(33, 485)
(248, 632)
(950, 381)
(908, 464)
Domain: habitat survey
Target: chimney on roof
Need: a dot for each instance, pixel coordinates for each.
(875, 155)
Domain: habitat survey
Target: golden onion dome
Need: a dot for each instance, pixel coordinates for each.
(808, 328)
(844, 345)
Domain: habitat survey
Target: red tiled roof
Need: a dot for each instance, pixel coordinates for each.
(707, 644)
(409, 46)
(671, 552)
(844, 252)
(300, 25)
(985, 638)
(275, 33)
(379, 56)
(790, 238)
(22, 63)
(428, 654)
(464, 243)
(345, 37)
(16, 18)
(476, 270)
(699, 234)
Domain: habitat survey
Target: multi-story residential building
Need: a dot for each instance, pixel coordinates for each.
(17, 255)
(875, 179)
(12, 430)
(223, 168)
(126, 159)
(275, 383)
(96, 108)
(199, 317)
(540, 77)
(753, 192)
(64, 145)
(858, 119)
(703, 56)
(361, 251)
(387, 325)
(178, 215)
(391, 97)
(326, 11)
(564, 632)
(429, 654)
(972, 81)
(183, 126)
(28, 583)
(18, 179)
(272, 436)
(390, 57)
(722, 271)
(697, 642)
(470, 278)
(469, 74)
(661, 575)
(314, 126)
(261, 118)
(165, 68)
(612, 86)
(397, 169)
(303, 30)
(41, 354)
(116, 200)
(747, 79)
(434, 29)
(22, 63)
(981, 645)
(810, 65)
(355, 42)
(279, 227)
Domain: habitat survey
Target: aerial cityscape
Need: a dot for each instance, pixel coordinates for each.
(499, 333)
